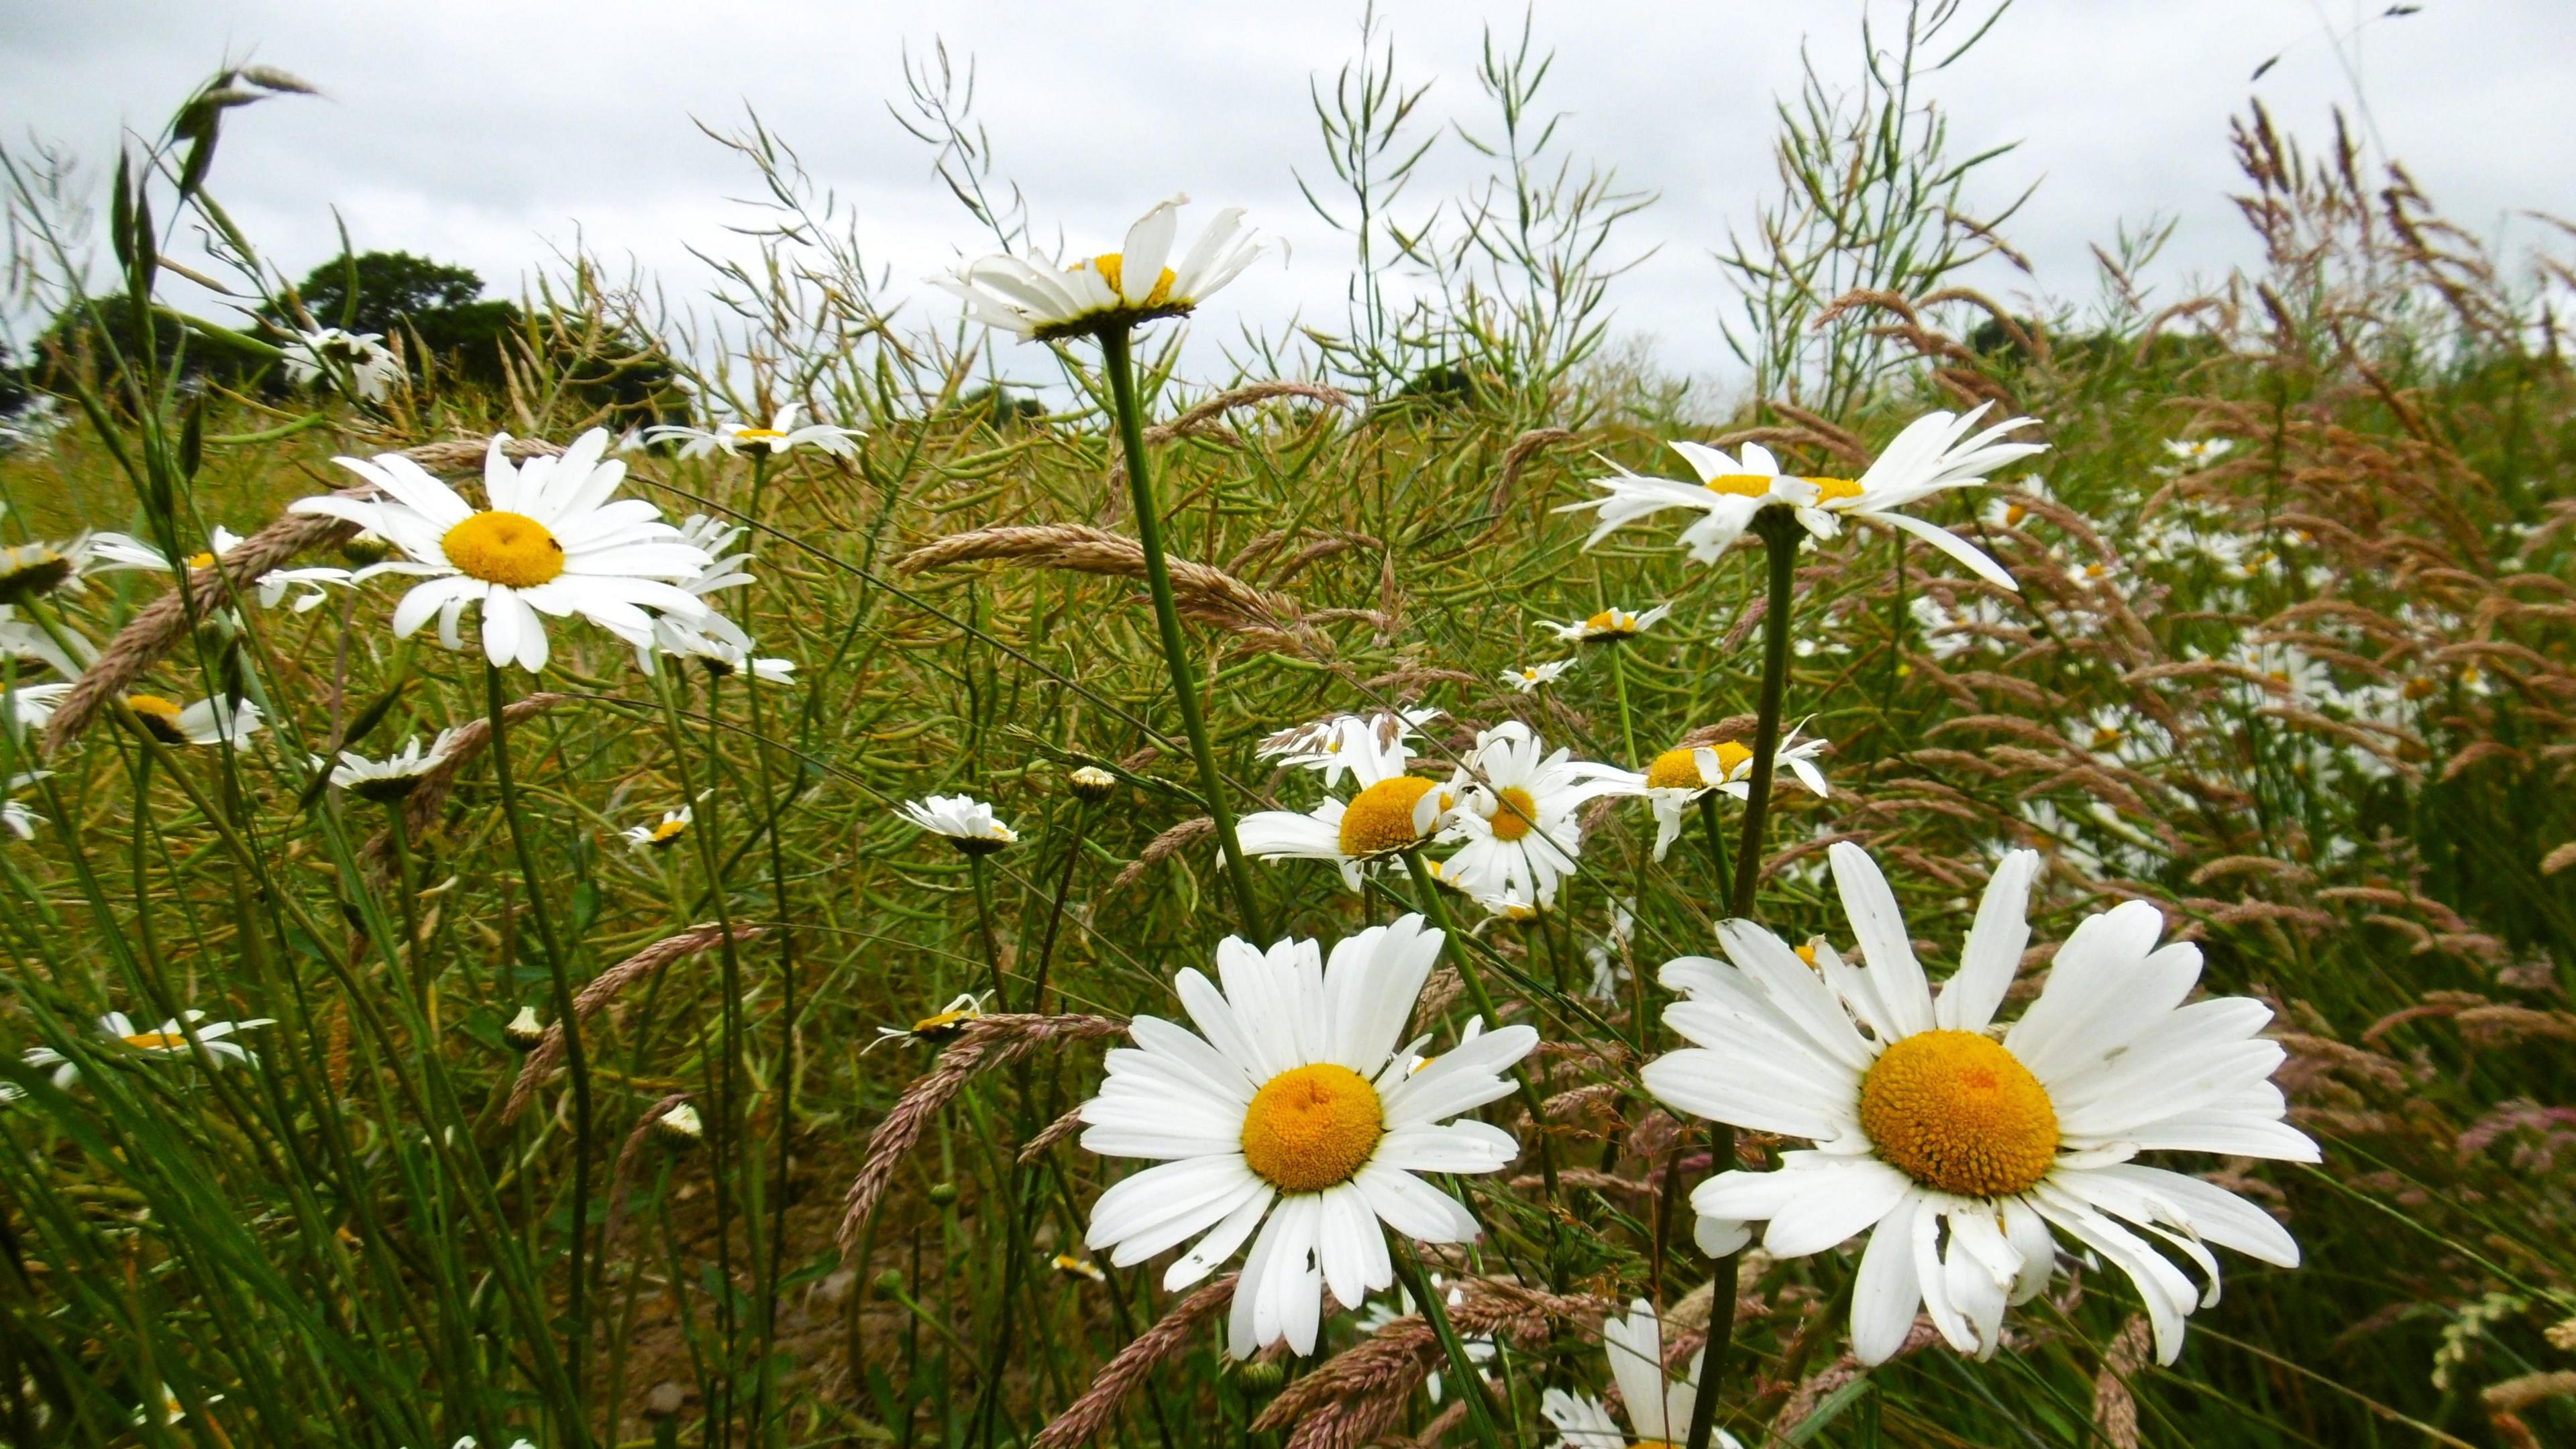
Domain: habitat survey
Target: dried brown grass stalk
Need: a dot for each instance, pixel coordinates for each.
(1162, 847)
(1359, 1394)
(603, 989)
(165, 621)
(1515, 458)
(2115, 1409)
(1123, 1375)
(1057, 1131)
(1271, 619)
(986, 1041)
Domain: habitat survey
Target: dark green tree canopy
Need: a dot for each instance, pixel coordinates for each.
(436, 306)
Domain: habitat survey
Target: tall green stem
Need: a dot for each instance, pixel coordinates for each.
(1780, 531)
(1167, 618)
(576, 1060)
(1435, 1311)
(1436, 911)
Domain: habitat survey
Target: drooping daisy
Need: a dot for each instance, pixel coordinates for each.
(1957, 1150)
(116, 552)
(1519, 821)
(2012, 512)
(1291, 1103)
(680, 1129)
(663, 833)
(551, 543)
(393, 777)
(15, 817)
(1607, 953)
(207, 722)
(1383, 1311)
(27, 639)
(32, 706)
(1038, 301)
(524, 1032)
(2195, 453)
(169, 1039)
(1390, 813)
(360, 360)
(1330, 745)
(1679, 777)
(968, 823)
(33, 570)
(1610, 626)
(939, 1026)
(782, 434)
(1530, 676)
(1659, 1408)
(1073, 1267)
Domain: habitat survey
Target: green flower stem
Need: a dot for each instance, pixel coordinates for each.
(1435, 1311)
(1716, 838)
(576, 1060)
(1619, 686)
(1436, 911)
(1780, 532)
(1167, 618)
(984, 926)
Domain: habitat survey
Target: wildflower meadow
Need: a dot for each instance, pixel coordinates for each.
(902, 868)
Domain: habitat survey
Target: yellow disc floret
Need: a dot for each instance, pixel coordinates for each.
(668, 831)
(1515, 813)
(1675, 770)
(156, 1041)
(1311, 1128)
(1380, 818)
(1741, 485)
(1112, 268)
(160, 716)
(1955, 1111)
(501, 547)
(1830, 489)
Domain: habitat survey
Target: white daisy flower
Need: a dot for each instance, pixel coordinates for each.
(662, 834)
(1036, 300)
(782, 434)
(34, 424)
(118, 552)
(1522, 834)
(15, 817)
(551, 543)
(1954, 629)
(1659, 1409)
(32, 706)
(33, 570)
(371, 370)
(940, 1025)
(1607, 954)
(1678, 778)
(1383, 1311)
(2012, 512)
(2196, 453)
(1291, 1103)
(1323, 744)
(1390, 812)
(207, 722)
(392, 777)
(2115, 734)
(169, 1039)
(1610, 626)
(1530, 676)
(968, 823)
(1960, 1151)
(26, 639)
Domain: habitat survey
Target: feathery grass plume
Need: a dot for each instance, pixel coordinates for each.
(1063, 1129)
(1270, 619)
(1161, 848)
(1352, 1399)
(603, 989)
(1135, 1363)
(162, 623)
(1201, 420)
(986, 1041)
(2115, 1409)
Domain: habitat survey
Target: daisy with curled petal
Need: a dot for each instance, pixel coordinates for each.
(1679, 777)
(32, 706)
(1659, 1408)
(117, 552)
(395, 776)
(15, 817)
(1530, 676)
(169, 1039)
(1519, 820)
(2191, 454)
(1729, 492)
(1391, 811)
(1610, 626)
(1323, 744)
(662, 834)
(968, 823)
(1038, 301)
(939, 1026)
(1959, 1150)
(553, 542)
(782, 434)
(26, 639)
(369, 368)
(2010, 512)
(207, 722)
(1290, 1110)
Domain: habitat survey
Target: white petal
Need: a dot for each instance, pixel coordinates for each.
(1993, 952)
(1880, 928)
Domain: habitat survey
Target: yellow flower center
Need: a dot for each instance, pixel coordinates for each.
(668, 831)
(1807, 953)
(1741, 485)
(945, 1021)
(2014, 513)
(1675, 770)
(1955, 1111)
(1112, 269)
(1311, 1128)
(2105, 737)
(2420, 688)
(160, 716)
(1829, 489)
(201, 560)
(1380, 818)
(1515, 813)
(505, 548)
(1611, 624)
(756, 434)
(151, 1041)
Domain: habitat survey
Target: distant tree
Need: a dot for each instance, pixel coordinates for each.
(999, 408)
(435, 307)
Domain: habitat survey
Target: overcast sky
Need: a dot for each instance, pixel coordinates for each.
(493, 134)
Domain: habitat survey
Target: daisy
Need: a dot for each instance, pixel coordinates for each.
(524, 1032)
(1659, 1409)
(1678, 778)
(1480, 1351)
(2118, 735)
(1607, 954)
(116, 552)
(207, 722)
(31, 706)
(781, 435)
(2196, 453)
(940, 1025)
(169, 1039)
(1530, 676)
(2012, 512)
(1960, 1149)
(1073, 1267)
(682, 1128)
(26, 639)
(15, 817)
(1954, 629)
(663, 834)
(32, 570)
(551, 543)
(329, 353)
(392, 777)
(1610, 626)
(1037, 301)
(1522, 836)
(1390, 812)
(33, 425)
(1291, 1103)
(969, 823)
(1323, 744)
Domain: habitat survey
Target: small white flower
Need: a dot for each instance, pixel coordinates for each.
(33, 425)
(1520, 826)
(1659, 1409)
(1290, 1111)
(2197, 453)
(1036, 300)
(782, 434)
(968, 823)
(1611, 625)
(369, 369)
(1678, 778)
(33, 570)
(662, 834)
(1391, 812)
(169, 1039)
(2010, 512)
(939, 1026)
(207, 722)
(15, 817)
(1530, 676)
(394, 776)
(1334, 745)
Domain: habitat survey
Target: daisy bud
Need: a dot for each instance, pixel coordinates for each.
(890, 1281)
(1260, 1378)
(524, 1031)
(1092, 784)
(942, 1194)
(680, 1128)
